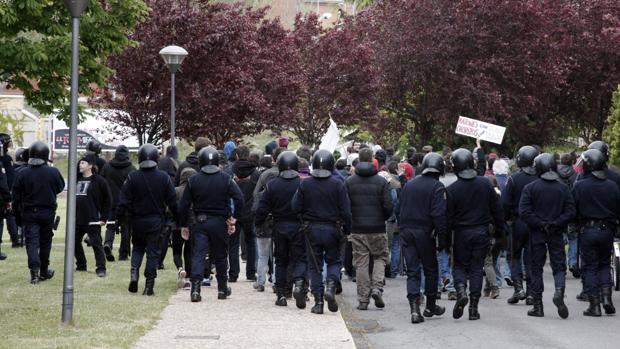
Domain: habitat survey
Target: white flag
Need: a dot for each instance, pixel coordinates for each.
(331, 137)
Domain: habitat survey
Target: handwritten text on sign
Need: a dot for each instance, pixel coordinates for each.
(480, 129)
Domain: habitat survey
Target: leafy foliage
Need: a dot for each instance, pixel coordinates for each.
(612, 133)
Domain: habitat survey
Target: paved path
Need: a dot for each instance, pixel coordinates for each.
(248, 319)
(501, 326)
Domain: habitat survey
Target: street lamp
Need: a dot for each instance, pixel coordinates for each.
(76, 8)
(173, 57)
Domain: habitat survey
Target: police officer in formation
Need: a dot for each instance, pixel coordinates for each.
(520, 232)
(209, 194)
(145, 195)
(474, 216)
(34, 196)
(547, 207)
(290, 248)
(422, 217)
(324, 206)
(597, 202)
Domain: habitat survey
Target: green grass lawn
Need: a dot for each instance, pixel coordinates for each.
(105, 314)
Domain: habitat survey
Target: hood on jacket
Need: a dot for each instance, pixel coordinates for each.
(121, 157)
(185, 174)
(566, 171)
(243, 168)
(365, 169)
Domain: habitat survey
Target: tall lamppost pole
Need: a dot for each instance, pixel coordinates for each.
(173, 57)
(76, 8)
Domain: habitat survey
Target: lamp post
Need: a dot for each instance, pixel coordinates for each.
(173, 57)
(76, 8)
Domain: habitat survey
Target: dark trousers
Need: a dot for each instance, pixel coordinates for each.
(11, 226)
(470, 249)
(94, 236)
(38, 233)
(124, 229)
(182, 251)
(289, 249)
(349, 268)
(210, 237)
(419, 250)
(145, 239)
(165, 240)
(596, 244)
(325, 245)
(540, 243)
(519, 254)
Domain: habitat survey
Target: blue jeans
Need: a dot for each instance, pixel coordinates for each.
(445, 272)
(572, 239)
(265, 252)
(395, 255)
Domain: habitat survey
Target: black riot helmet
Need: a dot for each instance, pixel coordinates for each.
(463, 163)
(594, 162)
(38, 154)
(602, 147)
(148, 155)
(323, 164)
(546, 167)
(433, 163)
(525, 159)
(209, 160)
(94, 146)
(21, 155)
(288, 164)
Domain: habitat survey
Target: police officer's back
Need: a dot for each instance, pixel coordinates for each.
(145, 195)
(597, 202)
(34, 199)
(209, 193)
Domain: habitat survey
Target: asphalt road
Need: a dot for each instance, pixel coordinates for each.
(501, 325)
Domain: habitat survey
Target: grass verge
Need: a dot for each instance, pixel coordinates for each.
(105, 314)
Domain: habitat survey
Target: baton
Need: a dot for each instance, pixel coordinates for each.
(305, 228)
(99, 223)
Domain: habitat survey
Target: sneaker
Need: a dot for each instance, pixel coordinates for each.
(508, 281)
(206, 282)
(452, 295)
(259, 288)
(187, 285)
(181, 277)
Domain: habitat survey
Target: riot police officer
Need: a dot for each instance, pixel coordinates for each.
(209, 195)
(288, 239)
(145, 195)
(547, 207)
(34, 194)
(511, 195)
(323, 204)
(422, 218)
(604, 149)
(597, 202)
(9, 172)
(473, 206)
(95, 147)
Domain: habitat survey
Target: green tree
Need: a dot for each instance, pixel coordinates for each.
(612, 132)
(35, 36)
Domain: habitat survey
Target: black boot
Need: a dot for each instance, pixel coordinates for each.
(416, 316)
(461, 302)
(281, 299)
(519, 293)
(595, 306)
(330, 296)
(318, 304)
(558, 300)
(46, 274)
(473, 308)
(432, 308)
(529, 299)
(608, 305)
(34, 276)
(149, 285)
(223, 290)
(537, 310)
(195, 292)
(299, 293)
(133, 280)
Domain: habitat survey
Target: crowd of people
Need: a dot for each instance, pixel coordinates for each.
(448, 221)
